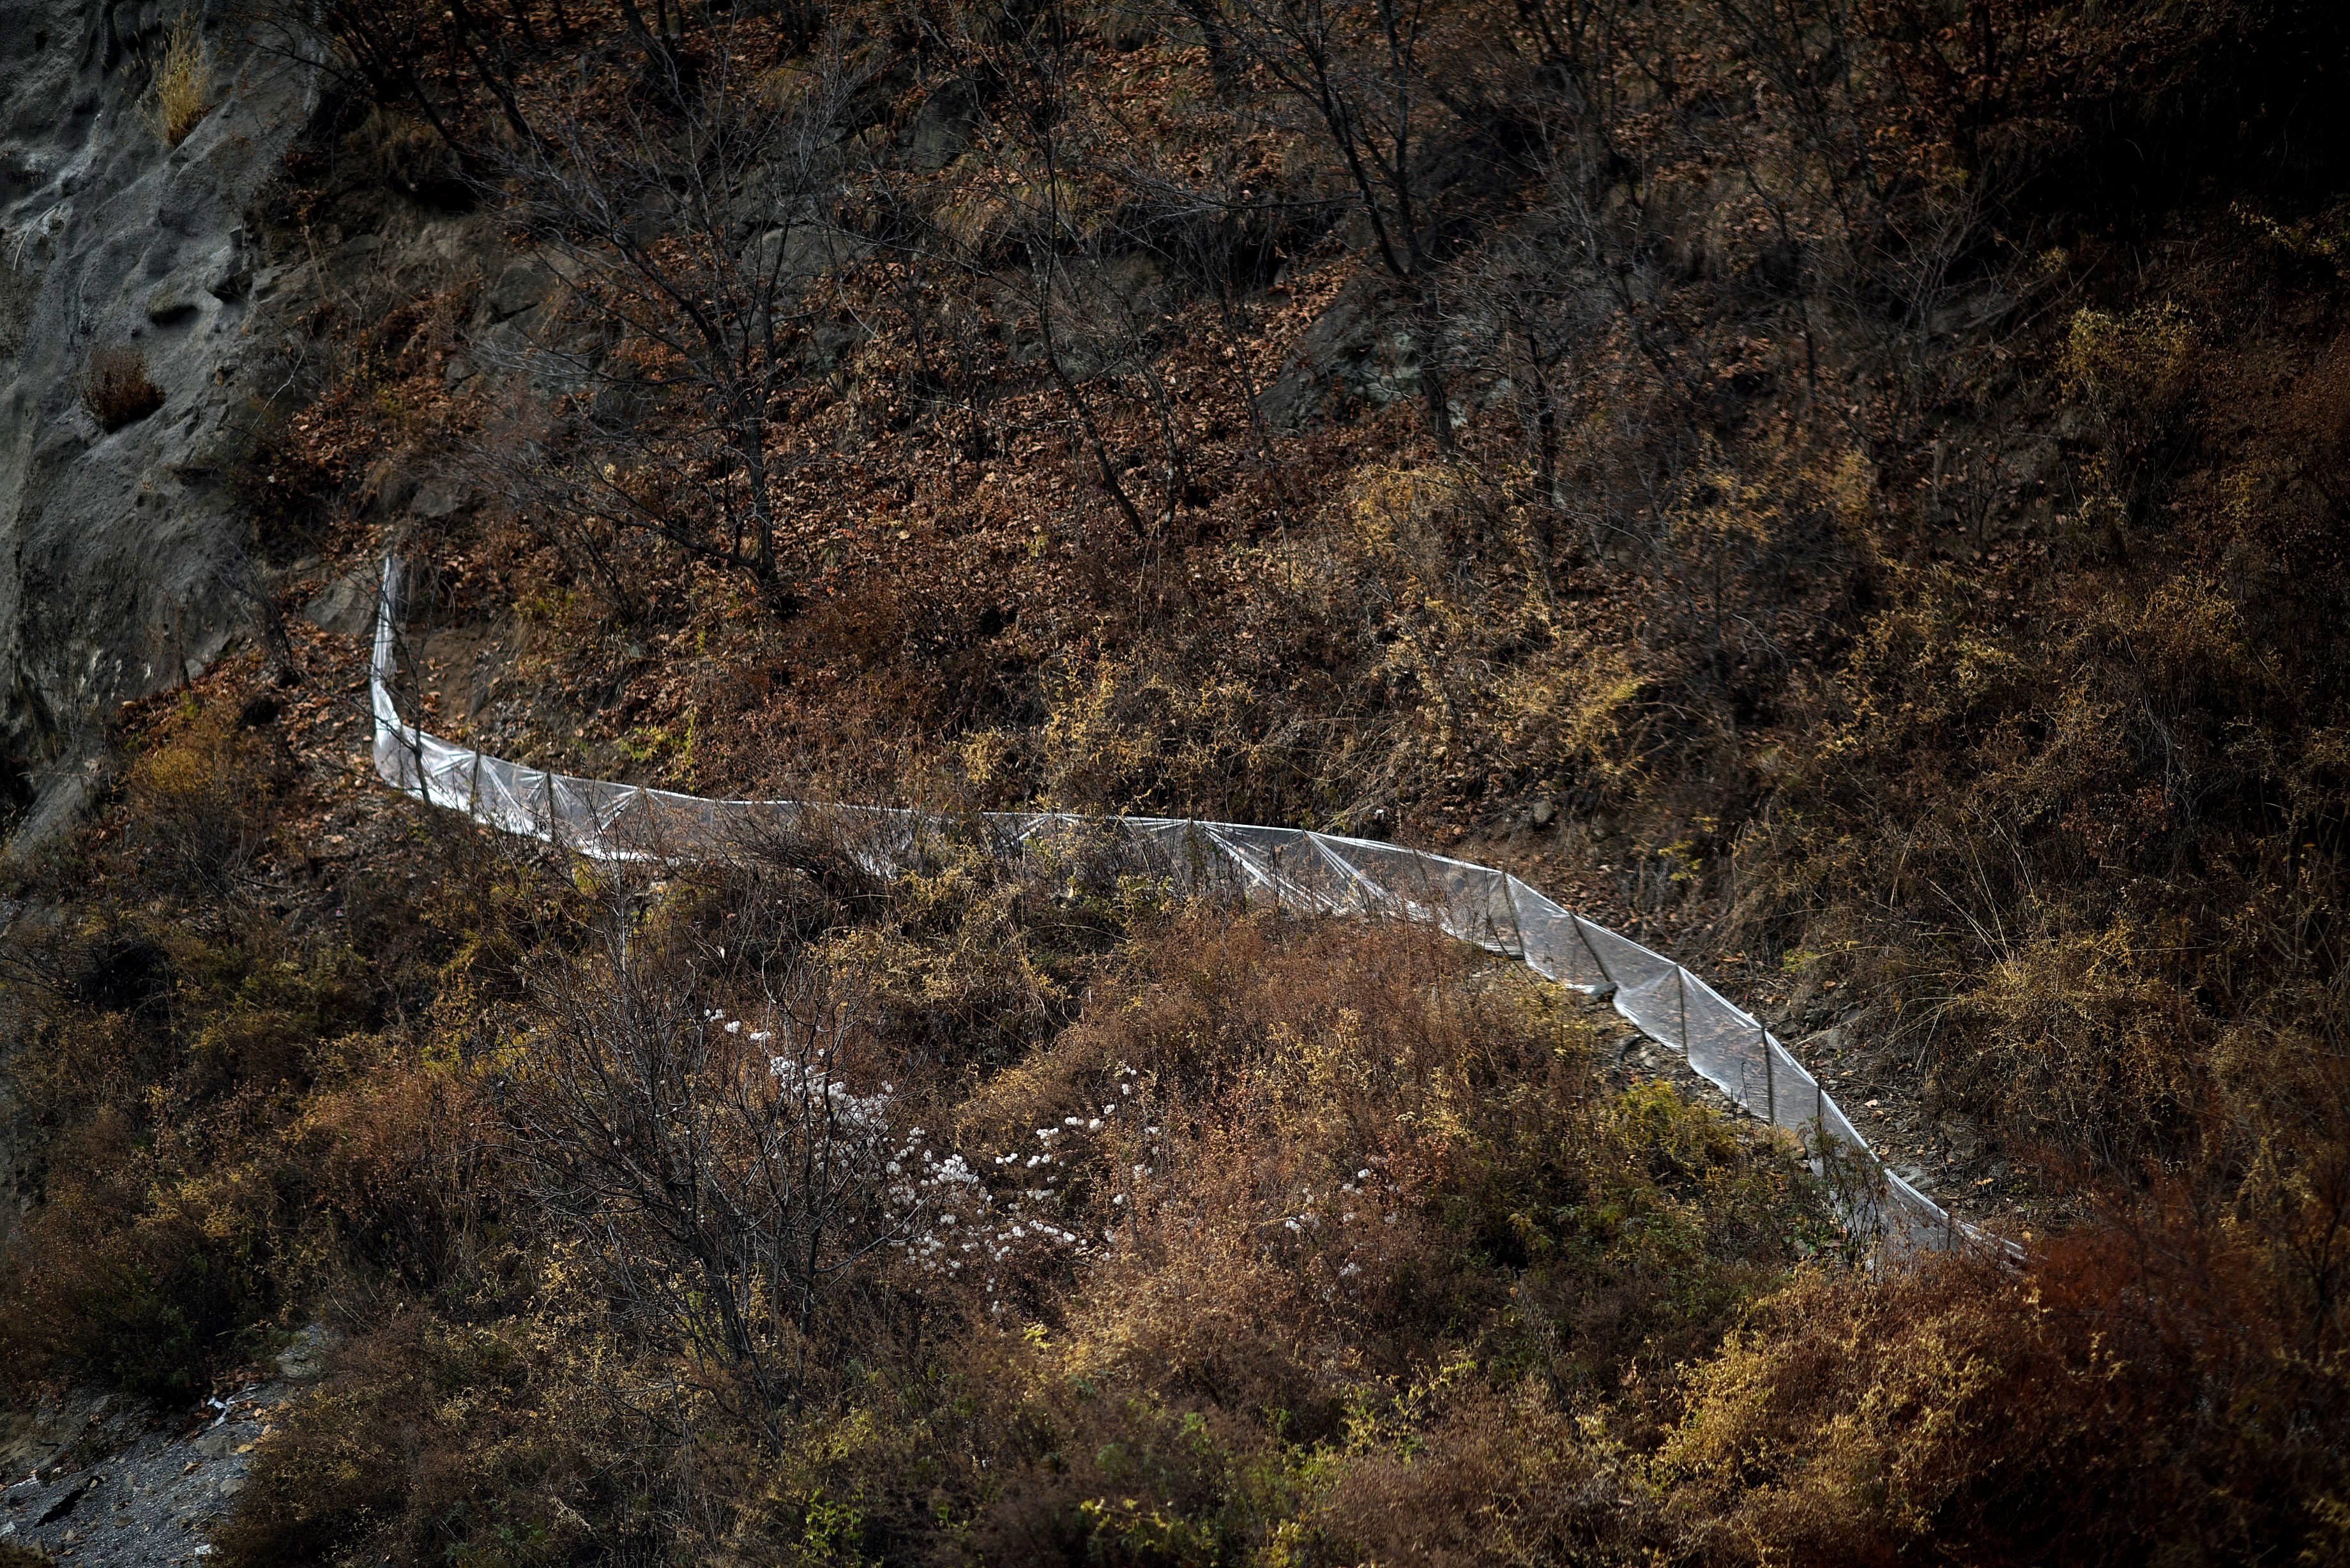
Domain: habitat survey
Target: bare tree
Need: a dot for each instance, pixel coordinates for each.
(721, 1174)
(1359, 70)
(1211, 222)
(689, 228)
(385, 48)
(1041, 251)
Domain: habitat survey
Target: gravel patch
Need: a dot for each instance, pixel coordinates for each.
(104, 1481)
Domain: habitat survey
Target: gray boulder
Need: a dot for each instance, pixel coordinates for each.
(346, 606)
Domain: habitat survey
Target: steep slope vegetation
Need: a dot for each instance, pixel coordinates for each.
(1852, 489)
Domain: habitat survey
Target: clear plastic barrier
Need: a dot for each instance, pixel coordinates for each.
(1309, 873)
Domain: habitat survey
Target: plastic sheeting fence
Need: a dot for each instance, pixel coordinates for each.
(1311, 873)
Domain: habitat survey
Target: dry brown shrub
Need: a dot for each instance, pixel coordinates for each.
(1201, 998)
(130, 1283)
(94, 1045)
(1363, 1201)
(201, 804)
(2048, 929)
(399, 1161)
(434, 1441)
(981, 959)
(1301, 1196)
(2078, 1045)
(116, 389)
(408, 154)
(2160, 1379)
(1504, 1476)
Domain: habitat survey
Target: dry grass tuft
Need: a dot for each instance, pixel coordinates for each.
(179, 100)
(116, 389)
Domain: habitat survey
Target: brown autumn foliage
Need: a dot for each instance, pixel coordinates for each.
(1847, 1425)
(1869, 474)
(116, 389)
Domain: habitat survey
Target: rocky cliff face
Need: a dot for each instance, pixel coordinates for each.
(121, 563)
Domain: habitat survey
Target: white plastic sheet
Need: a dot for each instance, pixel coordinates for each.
(1289, 867)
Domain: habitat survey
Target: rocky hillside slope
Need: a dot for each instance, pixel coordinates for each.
(127, 564)
(1852, 493)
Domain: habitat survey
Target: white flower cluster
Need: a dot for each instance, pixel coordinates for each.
(810, 1087)
(1348, 1214)
(948, 1220)
(956, 1221)
(1023, 1209)
(1308, 1217)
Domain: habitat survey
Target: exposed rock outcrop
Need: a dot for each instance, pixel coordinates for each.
(120, 555)
(102, 1481)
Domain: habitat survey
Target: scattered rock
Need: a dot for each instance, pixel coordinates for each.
(1544, 813)
(346, 606)
(230, 277)
(170, 303)
(1826, 1045)
(1319, 365)
(127, 1487)
(941, 127)
(65, 792)
(521, 286)
(387, 489)
(1964, 1140)
(305, 1360)
(440, 498)
(66, 1504)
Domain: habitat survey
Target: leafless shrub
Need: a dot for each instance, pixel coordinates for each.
(722, 1175)
(1043, 236)
(1357, 72)
(437, 60)
(203, 809)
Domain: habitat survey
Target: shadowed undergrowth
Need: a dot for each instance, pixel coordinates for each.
(1854, 490)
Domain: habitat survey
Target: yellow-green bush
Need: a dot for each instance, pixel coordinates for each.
(179, 97)
(1374, 1224)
